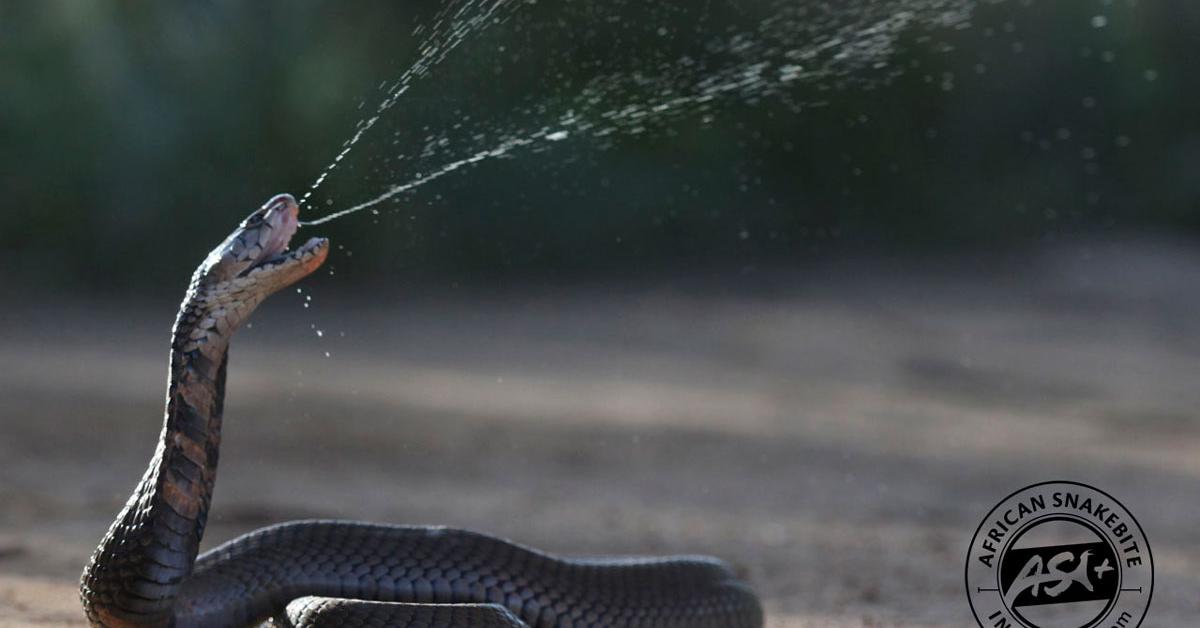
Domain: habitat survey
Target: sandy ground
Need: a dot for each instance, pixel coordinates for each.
(837, 432)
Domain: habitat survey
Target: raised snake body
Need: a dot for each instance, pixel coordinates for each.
(145, 571)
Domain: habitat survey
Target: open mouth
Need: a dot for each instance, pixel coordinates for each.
(278, 222)
(310, 250)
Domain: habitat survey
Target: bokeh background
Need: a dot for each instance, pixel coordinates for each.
(819, 334)
(128, 122)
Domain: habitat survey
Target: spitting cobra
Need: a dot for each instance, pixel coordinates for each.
(311, 574)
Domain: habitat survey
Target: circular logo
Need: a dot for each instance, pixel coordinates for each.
(1059, 555)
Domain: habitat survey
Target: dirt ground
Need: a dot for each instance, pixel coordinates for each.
(836, 432)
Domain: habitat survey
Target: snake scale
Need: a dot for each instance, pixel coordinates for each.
(311, 574)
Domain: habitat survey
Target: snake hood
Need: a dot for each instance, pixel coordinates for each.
(148, 552)
(147, 571)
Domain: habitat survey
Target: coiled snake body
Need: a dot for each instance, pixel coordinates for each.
(145, 571)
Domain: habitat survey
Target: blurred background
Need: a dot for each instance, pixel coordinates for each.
(126, 122)
(817, 325)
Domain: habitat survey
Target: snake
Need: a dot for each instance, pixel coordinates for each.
(147, 570)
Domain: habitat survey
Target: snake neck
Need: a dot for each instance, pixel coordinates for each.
(135, 573)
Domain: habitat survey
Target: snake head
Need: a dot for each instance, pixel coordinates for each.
(254, 261)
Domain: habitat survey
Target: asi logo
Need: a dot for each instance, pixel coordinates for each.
(1059, 555)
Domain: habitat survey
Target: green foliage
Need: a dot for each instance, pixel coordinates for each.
(136, 135)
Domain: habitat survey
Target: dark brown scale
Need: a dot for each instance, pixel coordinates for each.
(310, 574)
